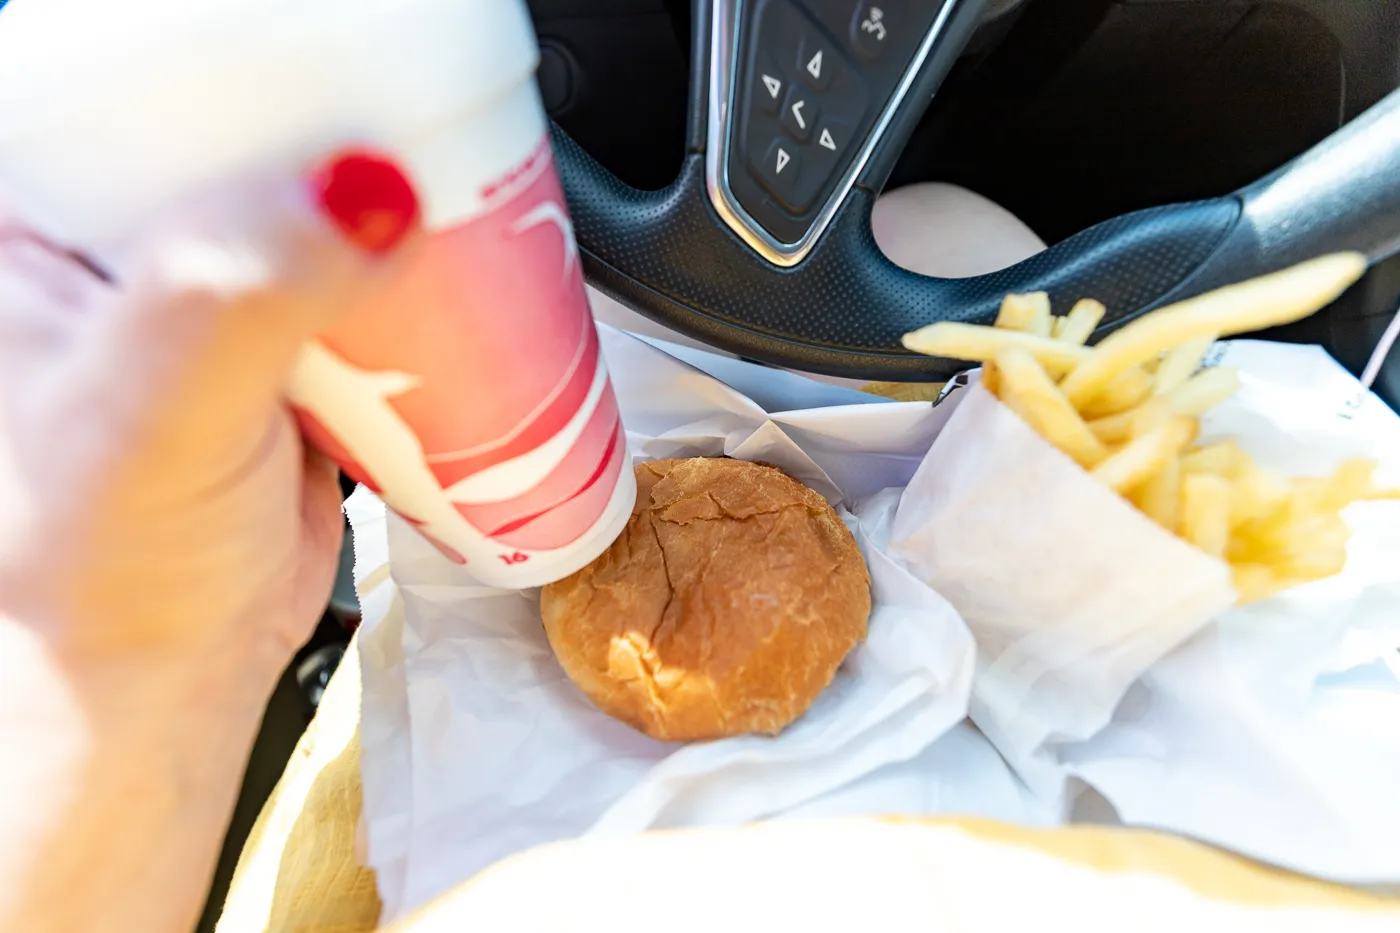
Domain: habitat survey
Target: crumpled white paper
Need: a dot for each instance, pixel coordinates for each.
(1276, 731)
(1272, 732)
(1070, 592)
(476, 745)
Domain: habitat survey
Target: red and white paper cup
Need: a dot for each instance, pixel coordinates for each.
(470, 392)
(472, 395)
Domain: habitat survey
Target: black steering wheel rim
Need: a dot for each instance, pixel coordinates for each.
(841, 309)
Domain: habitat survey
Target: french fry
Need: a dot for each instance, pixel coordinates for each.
(1149, 416)
(1115, 429)
(990, 380)
(1280, 298)
(1132, 465)
(1193, 397)
(1181, 363)
(1124, 426)
(1378, 493)
(1309, 558)
(1127, 411)
(1205, 512)
(1028, 313)
(1301, 544)
(1203, 391)
(979, 344)
(1264, 539)
(1257, 493)
(1255, 582)
(1350, 483)
(1130, 388)
(1160, 497)
(1081, 321)
(1027, 390)
(1221, 458)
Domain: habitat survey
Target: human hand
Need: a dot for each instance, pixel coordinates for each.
(157, 499)
(166, 542)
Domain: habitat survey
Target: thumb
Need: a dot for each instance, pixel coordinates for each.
(223, 292)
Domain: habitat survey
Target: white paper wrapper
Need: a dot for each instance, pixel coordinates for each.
(1272, 732)
(477, 746)
(1276, 732)
(1070, 592)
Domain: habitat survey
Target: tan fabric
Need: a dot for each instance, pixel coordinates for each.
(299, 872)
(871, 874)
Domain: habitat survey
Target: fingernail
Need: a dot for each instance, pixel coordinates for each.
(368, 197)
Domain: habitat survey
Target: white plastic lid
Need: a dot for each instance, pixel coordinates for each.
(404, 60)
(110, 107)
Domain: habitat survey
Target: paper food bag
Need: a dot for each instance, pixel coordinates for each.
(1275, 732)
(1070, 592)
(1272, 731)
(476, 745)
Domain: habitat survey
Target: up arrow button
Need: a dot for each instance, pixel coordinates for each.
(818, 62)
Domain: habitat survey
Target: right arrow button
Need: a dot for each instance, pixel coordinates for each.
(825, 158)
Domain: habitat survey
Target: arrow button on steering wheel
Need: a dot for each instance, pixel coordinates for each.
(799, 114)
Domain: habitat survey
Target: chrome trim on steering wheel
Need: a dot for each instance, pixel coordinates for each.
(724, 51)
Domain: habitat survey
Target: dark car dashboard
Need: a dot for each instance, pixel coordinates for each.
(1066, 112)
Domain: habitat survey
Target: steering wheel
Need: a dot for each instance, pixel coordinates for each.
(798, 109)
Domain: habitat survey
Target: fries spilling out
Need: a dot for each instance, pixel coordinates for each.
(1128, 410)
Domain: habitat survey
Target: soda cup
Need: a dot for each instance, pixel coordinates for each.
(469, 392)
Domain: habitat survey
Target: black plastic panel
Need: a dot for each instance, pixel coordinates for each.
(813, 79)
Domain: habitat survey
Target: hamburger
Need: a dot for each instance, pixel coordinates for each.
(725, 607)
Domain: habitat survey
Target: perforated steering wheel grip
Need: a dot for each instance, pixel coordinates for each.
(843, 307)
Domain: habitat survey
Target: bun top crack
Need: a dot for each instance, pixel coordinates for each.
(725, 607)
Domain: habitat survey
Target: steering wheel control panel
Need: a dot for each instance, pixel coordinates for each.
(813, 83)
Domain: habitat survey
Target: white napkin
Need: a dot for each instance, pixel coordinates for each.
(962, 773)
(475, 743)
(1276, 732)
(385, 734)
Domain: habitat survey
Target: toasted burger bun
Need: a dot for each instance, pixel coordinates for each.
(724, 608)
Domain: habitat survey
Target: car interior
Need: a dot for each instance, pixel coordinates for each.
(722, 158)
